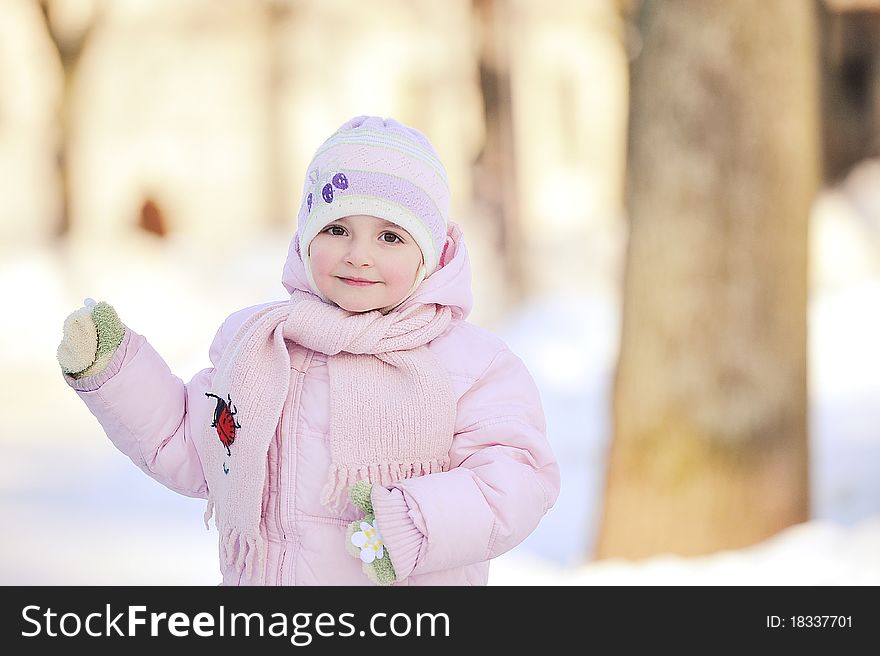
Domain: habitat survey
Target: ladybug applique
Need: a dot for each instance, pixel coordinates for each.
(224, 420)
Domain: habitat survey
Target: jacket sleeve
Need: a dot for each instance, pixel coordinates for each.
(503, 478)
(147, 411)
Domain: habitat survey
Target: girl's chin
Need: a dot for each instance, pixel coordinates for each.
(356, 306)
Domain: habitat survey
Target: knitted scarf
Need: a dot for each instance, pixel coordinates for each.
(392, 408)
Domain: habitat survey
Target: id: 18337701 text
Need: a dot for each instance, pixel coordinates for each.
(809, 622)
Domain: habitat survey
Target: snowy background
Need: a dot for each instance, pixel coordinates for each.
(76, 511)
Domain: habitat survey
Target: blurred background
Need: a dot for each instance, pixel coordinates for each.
(673, 214)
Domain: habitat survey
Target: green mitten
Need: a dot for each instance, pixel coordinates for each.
(362, 539)
(91, 337)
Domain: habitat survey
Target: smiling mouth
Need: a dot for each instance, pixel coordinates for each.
(357, 282)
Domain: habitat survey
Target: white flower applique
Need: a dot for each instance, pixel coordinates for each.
(369, 542)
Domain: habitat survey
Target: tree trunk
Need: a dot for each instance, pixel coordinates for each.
(710, 398)
(70, 47)
(850, 90)
(494, 170)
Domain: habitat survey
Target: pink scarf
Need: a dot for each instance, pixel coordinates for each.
(392, 408)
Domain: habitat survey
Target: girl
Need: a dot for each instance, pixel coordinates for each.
(362, 417)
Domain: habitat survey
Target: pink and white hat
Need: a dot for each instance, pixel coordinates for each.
(379, 167)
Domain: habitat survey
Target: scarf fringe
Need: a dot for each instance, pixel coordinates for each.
(243, 553)
(341, 477)
(209, 512)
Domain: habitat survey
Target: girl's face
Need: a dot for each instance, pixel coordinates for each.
(365, 248)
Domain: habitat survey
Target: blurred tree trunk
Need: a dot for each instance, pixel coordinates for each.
(710, 400)
(277, 14)
(850, 86)
(70, 45)
(494, 171)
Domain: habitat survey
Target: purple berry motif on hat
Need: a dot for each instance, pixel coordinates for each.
(309, 201)
(327, 193)
(340, 181)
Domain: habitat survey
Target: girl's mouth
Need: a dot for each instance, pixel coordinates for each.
(357, 283)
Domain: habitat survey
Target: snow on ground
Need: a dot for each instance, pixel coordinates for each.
(841, 545)
(78, 512)
(814, 553)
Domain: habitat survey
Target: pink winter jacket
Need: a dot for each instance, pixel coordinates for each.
(439, 529)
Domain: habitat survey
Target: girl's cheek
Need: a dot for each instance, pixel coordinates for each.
(320, 260)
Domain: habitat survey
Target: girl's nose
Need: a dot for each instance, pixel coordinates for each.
(358, 253)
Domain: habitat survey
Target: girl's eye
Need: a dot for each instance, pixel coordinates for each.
(331, 231)
(394, 238)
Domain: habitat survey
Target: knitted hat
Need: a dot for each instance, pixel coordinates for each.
(378, 167)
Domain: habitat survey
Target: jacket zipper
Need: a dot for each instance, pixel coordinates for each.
(278, 513)
(284, 429)
(279, 579)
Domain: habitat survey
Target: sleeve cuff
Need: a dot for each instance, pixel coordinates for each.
(400, 535)
(91, 383)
